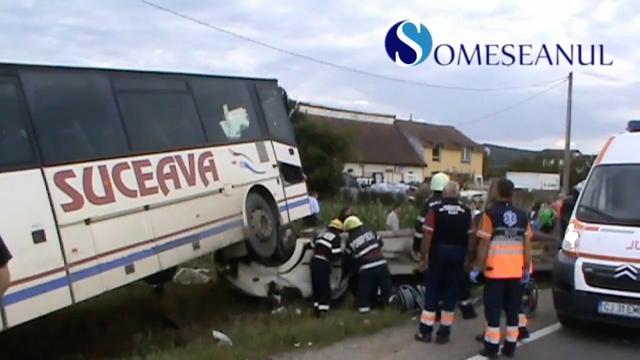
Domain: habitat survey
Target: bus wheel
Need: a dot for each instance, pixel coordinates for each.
(263, 226)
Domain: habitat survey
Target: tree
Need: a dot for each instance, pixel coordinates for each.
(323, 152)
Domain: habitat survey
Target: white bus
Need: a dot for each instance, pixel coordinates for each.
(110, 176)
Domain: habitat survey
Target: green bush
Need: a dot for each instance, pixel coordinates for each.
(323, 152)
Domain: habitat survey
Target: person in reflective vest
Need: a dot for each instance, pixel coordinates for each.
(505, 258)
(364, 252)
(447, 229)
(327, 248)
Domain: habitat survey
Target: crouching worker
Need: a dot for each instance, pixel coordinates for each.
(326, 250)
(447, 228)
(364, 251)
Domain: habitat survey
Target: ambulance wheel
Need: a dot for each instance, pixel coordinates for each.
(263, 225)
(569, 322)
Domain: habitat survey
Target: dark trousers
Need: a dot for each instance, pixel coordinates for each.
(321, 283)
(443, 279)
(502, 295)
(370, 281)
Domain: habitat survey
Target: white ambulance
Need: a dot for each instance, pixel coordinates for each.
(596, 275)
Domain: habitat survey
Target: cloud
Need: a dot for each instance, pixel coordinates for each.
(129, 34)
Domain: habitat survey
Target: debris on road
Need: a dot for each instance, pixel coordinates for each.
(222, 338)
(192, 276)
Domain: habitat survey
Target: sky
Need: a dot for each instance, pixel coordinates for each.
(129, 34)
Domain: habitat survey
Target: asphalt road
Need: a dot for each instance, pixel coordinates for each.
(549, 341)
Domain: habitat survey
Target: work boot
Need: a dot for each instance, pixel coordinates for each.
(468, 311)
(489, 354)
(523, 333)
(508, 349)
(442, 339)
(426, 338)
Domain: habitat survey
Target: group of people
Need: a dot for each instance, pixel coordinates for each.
(456, 246)
(362, 261)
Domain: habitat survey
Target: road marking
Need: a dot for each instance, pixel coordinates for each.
(533, 337)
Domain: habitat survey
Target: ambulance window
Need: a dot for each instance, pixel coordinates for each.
(15, 148)
(610, 196)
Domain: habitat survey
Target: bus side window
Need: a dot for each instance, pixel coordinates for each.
(158, 112)
(15, 148)
(74, 115)
(275, 113)
(226, 109)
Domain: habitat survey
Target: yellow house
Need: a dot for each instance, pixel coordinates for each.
(445, 149)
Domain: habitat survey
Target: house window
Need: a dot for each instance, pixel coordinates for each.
(466, 155)
(435, 153)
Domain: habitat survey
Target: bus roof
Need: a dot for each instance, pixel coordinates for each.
(621, 149)
(4, 65)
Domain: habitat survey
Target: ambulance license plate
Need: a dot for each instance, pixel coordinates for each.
(619, 309)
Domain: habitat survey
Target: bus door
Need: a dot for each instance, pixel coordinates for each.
(286, 153)
(39, 279)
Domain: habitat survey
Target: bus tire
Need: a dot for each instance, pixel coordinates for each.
(263, 226)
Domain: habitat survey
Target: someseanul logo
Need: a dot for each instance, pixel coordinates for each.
(408, 43)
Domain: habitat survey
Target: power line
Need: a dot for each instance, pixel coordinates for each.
(335, 65)
(512, 106)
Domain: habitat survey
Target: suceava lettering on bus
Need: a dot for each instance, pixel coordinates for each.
(167, 174)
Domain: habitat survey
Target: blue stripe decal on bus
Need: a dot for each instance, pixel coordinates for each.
(294, 204)
(55, 284)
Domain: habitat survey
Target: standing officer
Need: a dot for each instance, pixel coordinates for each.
(448, 226)
(438, 181)
(505, 257)
(326, 250)
(364, 251)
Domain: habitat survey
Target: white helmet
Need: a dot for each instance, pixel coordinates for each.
(438, 181)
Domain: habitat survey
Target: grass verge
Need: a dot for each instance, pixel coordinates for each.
(128, 323)
(258, 336)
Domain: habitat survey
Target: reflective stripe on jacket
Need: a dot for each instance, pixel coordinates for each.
(507, 228)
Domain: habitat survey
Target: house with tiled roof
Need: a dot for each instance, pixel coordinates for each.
(444, 149)
(380, 151)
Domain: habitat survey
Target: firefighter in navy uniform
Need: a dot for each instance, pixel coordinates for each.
(438, 181)
(326, 250)
(505, 257)
(364, 252)
(447, 229)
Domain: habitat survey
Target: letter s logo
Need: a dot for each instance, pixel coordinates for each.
(408, 43)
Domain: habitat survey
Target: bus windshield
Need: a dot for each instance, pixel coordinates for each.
(612, 196)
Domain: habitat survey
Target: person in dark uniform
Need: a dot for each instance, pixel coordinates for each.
(438, 181)
(505, 257)
(364, 252)
(447, 228)
(5, 276)
(327, 248)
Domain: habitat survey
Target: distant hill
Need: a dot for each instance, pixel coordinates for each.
(500, 157)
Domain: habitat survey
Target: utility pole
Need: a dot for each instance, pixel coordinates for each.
(567, 141)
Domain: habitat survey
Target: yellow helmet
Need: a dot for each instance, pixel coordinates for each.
(336, 224)
(438, 181)
(351, 223)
